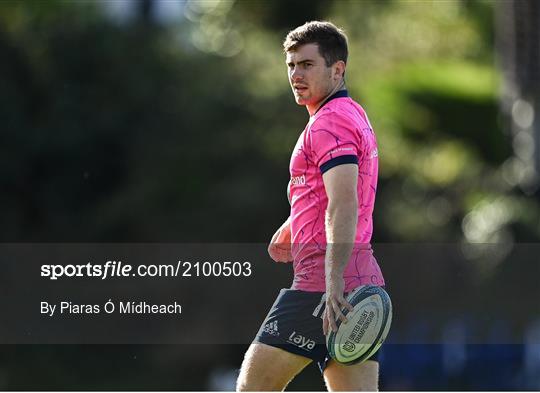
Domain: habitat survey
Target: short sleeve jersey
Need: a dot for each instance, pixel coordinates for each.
(338, 133)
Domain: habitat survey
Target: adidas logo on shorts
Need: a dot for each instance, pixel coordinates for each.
(271, 328)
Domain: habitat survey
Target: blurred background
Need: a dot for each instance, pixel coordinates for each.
(172, 121)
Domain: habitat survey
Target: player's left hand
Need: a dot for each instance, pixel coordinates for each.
(279, 248)
(335, 302)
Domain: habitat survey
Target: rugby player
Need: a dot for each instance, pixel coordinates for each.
(327, 236)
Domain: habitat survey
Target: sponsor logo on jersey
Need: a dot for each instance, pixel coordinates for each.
(298, 180)
(342, 149)
(374, 153)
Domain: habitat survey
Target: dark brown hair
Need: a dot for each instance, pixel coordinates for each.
(331, 40)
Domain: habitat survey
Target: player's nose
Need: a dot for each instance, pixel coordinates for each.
(296, 74)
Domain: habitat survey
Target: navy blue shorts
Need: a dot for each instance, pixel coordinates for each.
(294, 324)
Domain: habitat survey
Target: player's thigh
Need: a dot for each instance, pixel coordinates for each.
(358, 377)
(268, 368)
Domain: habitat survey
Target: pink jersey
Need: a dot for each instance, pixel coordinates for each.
(338, 133)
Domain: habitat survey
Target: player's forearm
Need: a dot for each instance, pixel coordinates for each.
(341, 220)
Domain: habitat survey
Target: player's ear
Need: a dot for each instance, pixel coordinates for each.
(339, 69)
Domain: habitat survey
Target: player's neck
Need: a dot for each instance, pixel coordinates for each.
(313, 109)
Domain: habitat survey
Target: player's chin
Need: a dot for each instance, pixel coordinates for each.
(300, 100)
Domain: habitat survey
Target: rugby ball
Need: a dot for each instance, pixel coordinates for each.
(366, 329)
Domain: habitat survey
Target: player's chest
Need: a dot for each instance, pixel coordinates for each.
(300, 157)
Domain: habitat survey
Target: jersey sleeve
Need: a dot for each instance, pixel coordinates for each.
(334, 140)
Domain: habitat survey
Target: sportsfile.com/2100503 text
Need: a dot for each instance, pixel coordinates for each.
(119, 269)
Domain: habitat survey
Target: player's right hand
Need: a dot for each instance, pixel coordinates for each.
(280, 245)
(335, 302)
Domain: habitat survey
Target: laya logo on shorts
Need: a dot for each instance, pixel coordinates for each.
(301, 341)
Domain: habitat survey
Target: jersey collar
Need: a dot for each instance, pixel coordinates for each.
(337, 94)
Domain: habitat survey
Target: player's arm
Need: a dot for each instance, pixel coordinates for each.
(341, 219)
(279, 248)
